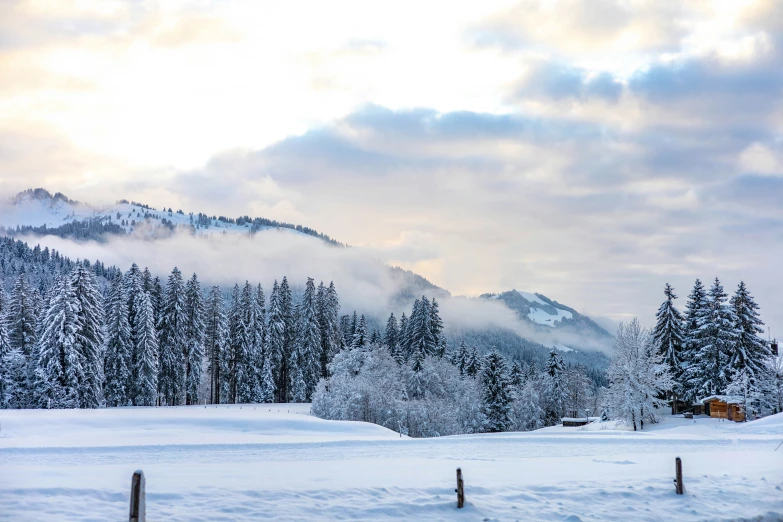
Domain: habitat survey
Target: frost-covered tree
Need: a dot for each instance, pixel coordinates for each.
(309, 339)
(275, 343)
(526, 411)
(708, 372)
(215, 335)
(474, 365)
(195, 333)
(147, 357)
(360, 338)
(554, 390)
(750, 351)
(694, 319)
(89, 335)
(436, 329)
(496, 393)
(21, 316)
(59, 375)
(516, 375)
(13, 380)
(119, 387)
(669, 336)
(404, 339)
(246, 350)
(234, 350)
(329, 322)
(637, 375)
(172, 341)
(391, 334)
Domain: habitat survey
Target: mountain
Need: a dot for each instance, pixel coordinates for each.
(37, 211)
(545, 314)
(543, 322)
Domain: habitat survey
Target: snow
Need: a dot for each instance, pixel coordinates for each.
(250, 463)
(544, 315)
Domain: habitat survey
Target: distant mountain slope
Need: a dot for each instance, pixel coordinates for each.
(37, 211)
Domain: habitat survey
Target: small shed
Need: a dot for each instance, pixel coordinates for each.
(724, 407)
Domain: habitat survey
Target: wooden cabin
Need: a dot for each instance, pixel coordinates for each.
(724, 407)
(577, 421)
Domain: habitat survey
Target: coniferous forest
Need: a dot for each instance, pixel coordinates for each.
(76, 334)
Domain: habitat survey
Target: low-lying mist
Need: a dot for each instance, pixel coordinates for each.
(364, 282)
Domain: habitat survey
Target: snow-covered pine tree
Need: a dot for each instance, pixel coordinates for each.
(360, 338)
(516, 376)
(309, 339)
(474, 365)
(89, 335)
(420, 326)
(264, 387)
(750, 351)
(59, 374)
(463, 358)
(669, 338)
(172, 339)
(289, 317)
(195, 331)
(215, 338)
(234, 349)
(496, 393)
(146, 349)
(404, 339)
(436, 329)
(245, 349)
(694, 319)
(119, 384)
(13, 379)
(637, 376)
(554, 388)
(333, 342)
(275, 344)
(717, 337)
(21, 317)
(390, 335)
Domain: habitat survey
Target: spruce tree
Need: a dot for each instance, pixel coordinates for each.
(234, 373)
(750, 351)
(59, 374)
(436, 329)
(194, 339)
(404, 338)
(497, 395)
(694, 319)
(390, 335)
(89, 335)
(118, 389)
(275, 343)
(516, 376)
(21, 317)
(173, 341)
(463, 358)
(474, 363)
(147, 356)
(360, 338)
(309, 339)
(215, 341)
(555, 388)
(669, 338)
(245, 349)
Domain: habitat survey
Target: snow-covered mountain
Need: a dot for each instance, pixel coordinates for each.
(39, 209)
(546, 314)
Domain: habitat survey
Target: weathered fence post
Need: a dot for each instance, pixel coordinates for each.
(678, 481)
(460, 490)
(138, 507)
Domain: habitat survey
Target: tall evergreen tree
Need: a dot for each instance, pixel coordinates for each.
(309, 339)
(436, 328)
(669, 338)
(89, 335)
(555, 388)
(194, 339)
(404, 339)
(750, 351)
(119, 387)
(234, 372)
(390, 335)
(275, 343)
(497, 395)
(147, 356)
(360, 337)
(21, 317)
(59, 375)
(245, 349)
(215, 341)
(694, 319)
(173, 341)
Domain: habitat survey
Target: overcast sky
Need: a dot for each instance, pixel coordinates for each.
(589, 150)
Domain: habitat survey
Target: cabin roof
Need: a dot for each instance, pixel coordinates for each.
(728, 399)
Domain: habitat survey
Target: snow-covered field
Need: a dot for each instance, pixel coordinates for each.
(251, 463)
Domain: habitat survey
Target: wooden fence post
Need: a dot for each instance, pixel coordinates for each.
(138, 507)
(678, 481)
(460, 490)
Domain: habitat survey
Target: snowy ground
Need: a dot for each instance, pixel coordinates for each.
(253, 463)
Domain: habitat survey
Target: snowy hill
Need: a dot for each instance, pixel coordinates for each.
(39, 209)
(249, 463)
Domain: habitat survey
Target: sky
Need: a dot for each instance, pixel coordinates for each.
(589, 150)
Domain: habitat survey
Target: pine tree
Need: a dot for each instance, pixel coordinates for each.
(234, 372)
(404, 343)
(194, 339)
(708, 374)
(147, 356)
(59, 374)
(118, 389)
(496, 393)
(463, 358)
(309, 339)
(669, 338)
(215, 341)
(750, 351)
(436, 329)
(13, 379)
(172, 341)
(554, 388)
(360, 338)
(474, 363)
(390, 335)
(288, 316)
(694, 318)
(245, 350)
(89, 335)
(275, 343)
(21, 317)
(516, 376)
